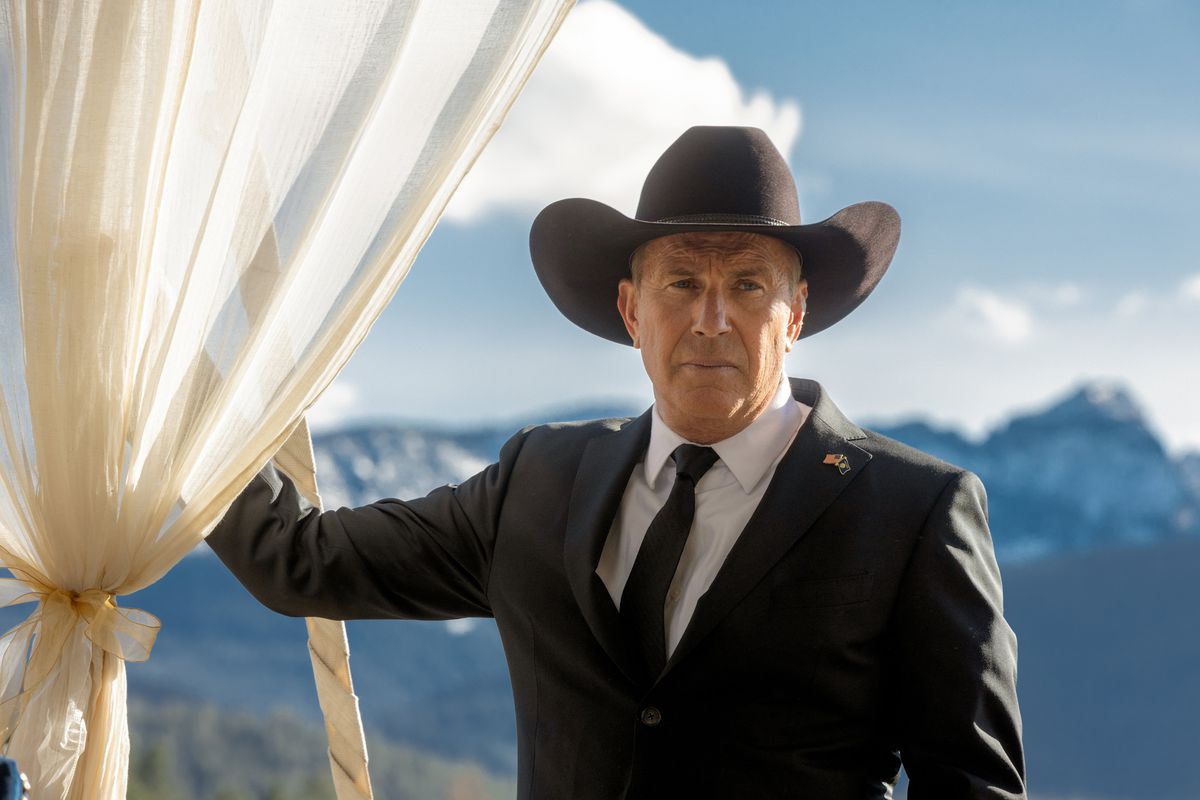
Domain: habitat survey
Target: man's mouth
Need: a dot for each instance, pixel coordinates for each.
(706, 364)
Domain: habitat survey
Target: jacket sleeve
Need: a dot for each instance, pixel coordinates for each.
(957, 658)
(427, 558)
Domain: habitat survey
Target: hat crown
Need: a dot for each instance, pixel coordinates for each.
(714, 172)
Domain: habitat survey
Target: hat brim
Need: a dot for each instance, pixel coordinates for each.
(581, 250)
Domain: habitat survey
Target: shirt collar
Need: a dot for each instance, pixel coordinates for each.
(748, 454)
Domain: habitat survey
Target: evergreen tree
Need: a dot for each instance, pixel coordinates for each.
(153, 776)
(225, 793)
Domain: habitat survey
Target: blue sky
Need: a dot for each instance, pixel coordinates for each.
(1044, 157)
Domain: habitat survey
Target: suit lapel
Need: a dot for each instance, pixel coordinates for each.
(801, 489)
(604, 471)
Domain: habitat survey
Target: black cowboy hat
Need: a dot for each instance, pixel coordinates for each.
(711, 179)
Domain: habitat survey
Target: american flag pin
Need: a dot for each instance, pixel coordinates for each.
(843, 464)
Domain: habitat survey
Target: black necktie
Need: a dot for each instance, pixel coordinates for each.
(645, 593)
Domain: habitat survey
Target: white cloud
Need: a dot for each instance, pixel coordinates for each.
(1190, 288)
(1064, 294)
(459, 627)
(993, 316)
(607, 98)
(1132, 305)
(334, 405)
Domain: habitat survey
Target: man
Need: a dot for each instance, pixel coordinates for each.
(739, 594)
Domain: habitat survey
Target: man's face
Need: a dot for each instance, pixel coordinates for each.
(714, 315)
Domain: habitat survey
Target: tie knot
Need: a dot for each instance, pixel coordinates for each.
(693, 461)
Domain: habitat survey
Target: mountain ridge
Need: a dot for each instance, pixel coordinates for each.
(1060, 477)
(1107, 679)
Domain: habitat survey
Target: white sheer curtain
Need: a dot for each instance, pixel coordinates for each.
(204, 205)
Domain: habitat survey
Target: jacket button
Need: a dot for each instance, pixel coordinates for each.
(651, 716)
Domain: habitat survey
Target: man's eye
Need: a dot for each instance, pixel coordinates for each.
(684, 283)
(748, 285)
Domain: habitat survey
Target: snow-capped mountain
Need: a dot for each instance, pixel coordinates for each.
(1190, 464)
(1084, 471)
(360, 464)
(357, 466)
(1102, 653)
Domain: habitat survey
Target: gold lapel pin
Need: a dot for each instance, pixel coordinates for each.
(843, 464)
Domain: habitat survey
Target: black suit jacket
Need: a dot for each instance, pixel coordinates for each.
(857, 620)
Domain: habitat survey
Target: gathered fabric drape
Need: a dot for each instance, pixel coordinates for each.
(329, 649)
(204, 205)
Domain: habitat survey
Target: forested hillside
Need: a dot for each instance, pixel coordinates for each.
(188, 751)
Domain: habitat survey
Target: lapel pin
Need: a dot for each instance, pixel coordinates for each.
(843, 464)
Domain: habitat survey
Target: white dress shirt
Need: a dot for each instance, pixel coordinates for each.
(725, 499)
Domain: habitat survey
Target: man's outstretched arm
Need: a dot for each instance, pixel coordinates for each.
(427, 558)
(956, 658)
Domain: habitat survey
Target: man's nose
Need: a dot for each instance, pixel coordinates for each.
(711, 318)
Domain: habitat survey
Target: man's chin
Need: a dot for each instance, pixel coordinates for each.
(710, 403)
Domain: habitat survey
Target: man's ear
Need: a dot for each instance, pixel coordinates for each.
(799, 309)
(627, 305)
